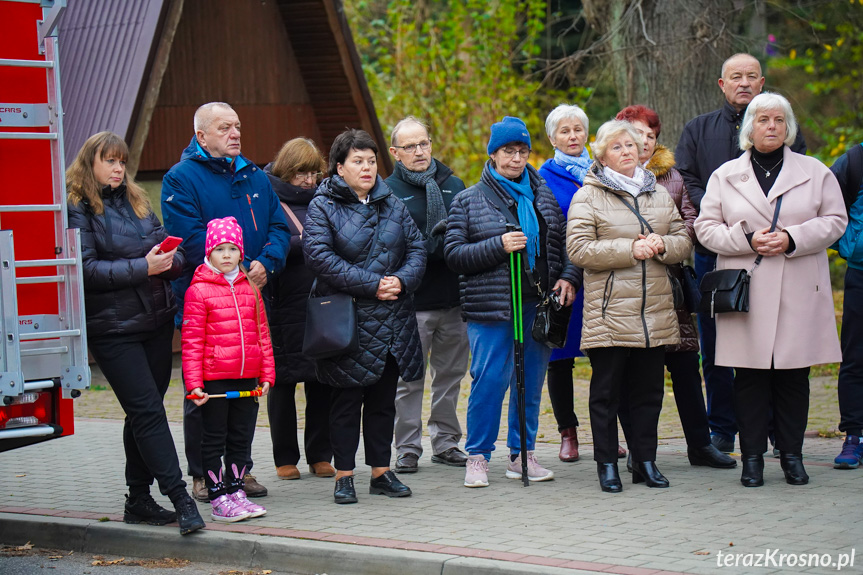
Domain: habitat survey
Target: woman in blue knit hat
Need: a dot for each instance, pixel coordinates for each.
(478, 246)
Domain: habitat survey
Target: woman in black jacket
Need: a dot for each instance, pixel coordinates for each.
(478, 246)
(295, 174)
(130, 319)
(360, 240)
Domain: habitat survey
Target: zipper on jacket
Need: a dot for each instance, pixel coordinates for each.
(255, 223)
(606, 293)
(643, 283)
(242, 335)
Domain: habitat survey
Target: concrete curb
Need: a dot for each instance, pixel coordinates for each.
(277, 553)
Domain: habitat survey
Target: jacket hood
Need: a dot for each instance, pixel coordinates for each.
(660, 162)
(596, 177)
(193, 152)
(205, 274)
(288, 193)
(336, 188)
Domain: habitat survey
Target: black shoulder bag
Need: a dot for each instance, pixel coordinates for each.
(728, 290)
(676, 289)
(551, 323)
(331, 321)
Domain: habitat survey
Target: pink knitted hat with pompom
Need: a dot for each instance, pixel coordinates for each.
(224, 230)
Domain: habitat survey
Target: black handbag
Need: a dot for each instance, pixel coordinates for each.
(331, 321)
(331, 326)
(728, 290)
(551, 323)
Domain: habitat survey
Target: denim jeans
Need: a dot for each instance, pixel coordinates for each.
(718, 380)
(493, 371)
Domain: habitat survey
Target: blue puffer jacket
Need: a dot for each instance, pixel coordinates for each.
(850, 245)
(201, 188)
(474, 249)
(339, 235)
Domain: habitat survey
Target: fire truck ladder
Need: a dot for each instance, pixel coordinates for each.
(43, 351)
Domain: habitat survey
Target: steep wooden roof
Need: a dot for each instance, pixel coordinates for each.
(289, 68)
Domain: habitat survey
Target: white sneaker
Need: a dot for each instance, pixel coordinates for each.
(476, 472)
(535, 471)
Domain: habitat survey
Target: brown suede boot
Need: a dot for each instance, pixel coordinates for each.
(568, 444)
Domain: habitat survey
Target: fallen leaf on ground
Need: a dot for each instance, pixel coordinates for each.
(702, 552)
(21, 475)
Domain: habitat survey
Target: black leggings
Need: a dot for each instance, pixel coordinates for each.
(560, 392)
(228, 428)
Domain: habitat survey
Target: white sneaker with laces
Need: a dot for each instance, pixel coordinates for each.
(535, 471)
(476, 472)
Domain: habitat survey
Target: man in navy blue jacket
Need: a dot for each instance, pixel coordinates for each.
(706, 143)
(214, 180)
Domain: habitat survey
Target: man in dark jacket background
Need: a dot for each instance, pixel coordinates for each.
(706, 143)
(427, 188)
(214, 180)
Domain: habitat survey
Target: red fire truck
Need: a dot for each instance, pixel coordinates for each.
(43, 352)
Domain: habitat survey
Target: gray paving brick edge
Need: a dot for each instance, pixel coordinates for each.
(237, 549)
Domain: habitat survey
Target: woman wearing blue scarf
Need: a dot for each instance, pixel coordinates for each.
(477, 246)
(567, 129)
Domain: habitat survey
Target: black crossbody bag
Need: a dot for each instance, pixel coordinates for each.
(725, 291)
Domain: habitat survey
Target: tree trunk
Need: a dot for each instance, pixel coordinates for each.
(667, 54)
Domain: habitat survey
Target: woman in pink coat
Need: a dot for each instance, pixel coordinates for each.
(790, 325)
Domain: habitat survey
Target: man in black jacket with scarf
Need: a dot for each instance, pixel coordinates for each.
(427, 187)
(706, 143)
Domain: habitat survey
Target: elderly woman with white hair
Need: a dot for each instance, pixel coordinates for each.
(623, 230)
(791, 324)
(567, 130)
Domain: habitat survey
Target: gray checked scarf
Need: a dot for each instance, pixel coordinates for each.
(435, 208)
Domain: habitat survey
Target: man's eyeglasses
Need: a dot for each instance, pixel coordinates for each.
(512, 152)
(309, 175)
(412, 148)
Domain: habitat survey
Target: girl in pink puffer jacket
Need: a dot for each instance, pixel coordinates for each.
(226, 347)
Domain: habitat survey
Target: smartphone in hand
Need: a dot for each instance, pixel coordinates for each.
(169, 244)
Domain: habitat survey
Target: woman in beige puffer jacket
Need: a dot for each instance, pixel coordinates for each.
(628, 306)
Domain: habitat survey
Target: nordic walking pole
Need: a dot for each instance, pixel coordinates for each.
(518, 344)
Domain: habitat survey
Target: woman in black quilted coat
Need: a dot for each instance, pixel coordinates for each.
(360, 240)
(295, 174)
(130, 319)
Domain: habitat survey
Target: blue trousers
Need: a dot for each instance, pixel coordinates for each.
(718, 381)
(493, 371)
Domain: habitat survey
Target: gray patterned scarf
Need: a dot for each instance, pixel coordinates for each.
(435, 208)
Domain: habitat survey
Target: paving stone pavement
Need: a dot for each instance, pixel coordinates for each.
(566, 523)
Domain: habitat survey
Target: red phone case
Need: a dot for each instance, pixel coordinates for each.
(169, 243)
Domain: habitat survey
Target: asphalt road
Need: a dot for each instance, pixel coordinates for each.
(16, 560)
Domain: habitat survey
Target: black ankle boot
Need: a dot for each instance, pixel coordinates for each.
(144, 509)
(753, 470)
(609, 478)
(792, 466)
(648, 473)
(187, 515)
(344, 491)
